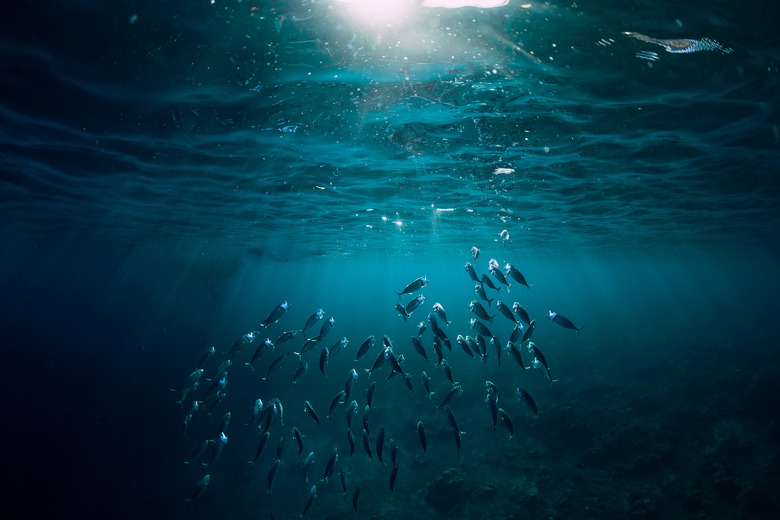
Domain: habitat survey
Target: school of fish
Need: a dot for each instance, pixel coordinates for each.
(266, 413)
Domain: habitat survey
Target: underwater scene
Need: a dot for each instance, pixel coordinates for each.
(419, 259)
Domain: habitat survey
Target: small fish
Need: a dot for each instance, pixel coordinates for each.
(307, 407)
(301, 370)
(464, 345)
(308, 345)
(485, 280)
(331, 465)
(537, 363)
(492, 403)
(339, 346)
(497, 346)
(219, 445)
(351, 443)
(480, 328)
(412, 305)
(517, 333)
(296, 435)
(563, 321)
(367, 444)
(240, 343)
(307, 466)
(200, 487)
(379, 361)
(457, 435)
(310, 500)
(325, 329)
(314, 318)
(280, 447)
(272, 474)
(421, 327)
(426, 381)
(344, 480)
(415, 285)
(507, 422)
(456, 390)
(504, 237)
(529, 331)
(514, 273)
(205, 357)
(261, 446)
(451, 419)
(274, 365)
(475, 253)
(352, 409)
(393, 476)
(324, 357)
(472, 273)
(336, 400)
(380, 442)
(439, 310)
(527, 399)
(279, 410)
(480, 311)
(262, 348)
(223, 424)
(437, 332)
(447, 371)
(286, 336)
(418, 347)
(366, 419)
(421, 433)
(355, 498)
(521, 312)
(512, 349)
(437, 351)
(367, 344)
(370, 393)
(402, 311)
(500, 277)
(275, 314)
(199, 451)
(393, 453)
(492, 389)
(351, 378)
(506, 312)
(481, 293)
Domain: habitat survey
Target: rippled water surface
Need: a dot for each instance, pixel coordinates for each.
(248, 122)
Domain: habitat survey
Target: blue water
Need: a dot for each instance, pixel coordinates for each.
(171, 171)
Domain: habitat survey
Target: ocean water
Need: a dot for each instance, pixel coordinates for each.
(174, 170)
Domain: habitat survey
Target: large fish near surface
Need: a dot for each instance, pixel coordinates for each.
(415, 285)
(514, 273)
(563, 321)
(275, 315)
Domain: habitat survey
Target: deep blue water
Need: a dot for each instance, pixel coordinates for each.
(172, 171)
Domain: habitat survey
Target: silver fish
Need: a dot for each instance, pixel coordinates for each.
(413, 286)
(563, 321)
